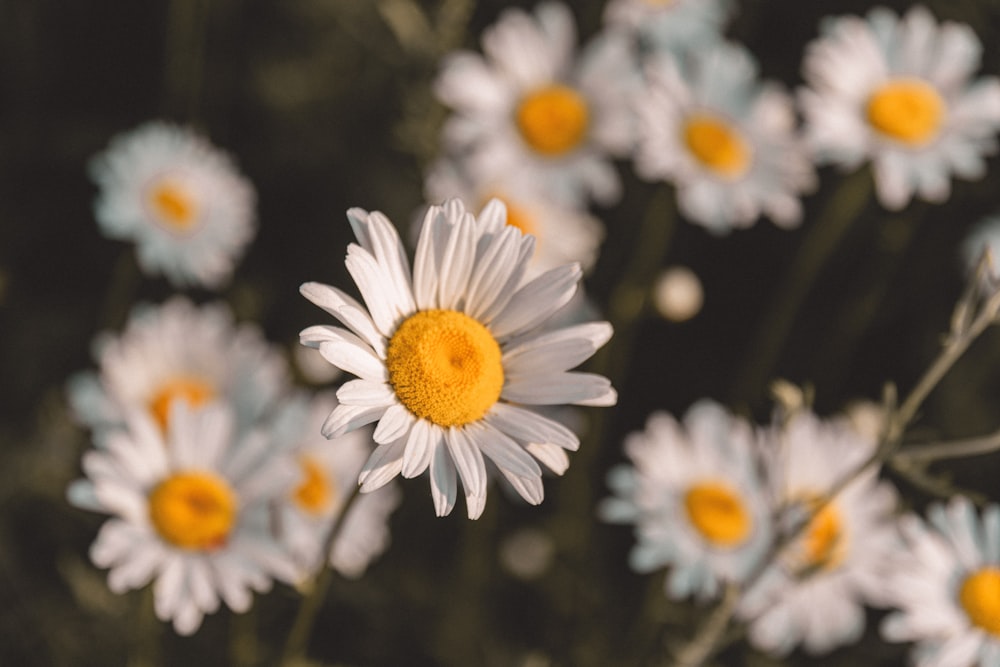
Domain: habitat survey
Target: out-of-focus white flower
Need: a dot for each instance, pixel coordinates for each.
(946, 586)
(189, 512)
(677, 294)
(527, 554)
(815, 590)
(985, 237)
(897, 91)
(677, 26)
(450, 357)
(328, 475)
(563, 233)
(726, 141)
(179, 352)
(532, 107)
(180, 199)
(695, 497)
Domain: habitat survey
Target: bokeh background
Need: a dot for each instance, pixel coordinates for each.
(326, 104)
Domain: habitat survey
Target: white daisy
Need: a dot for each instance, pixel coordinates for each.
(678, 26)
(449, 356)
(531, 107)
(179, 352)
(722, 138)
(179, 198)
(985, 236)
(947, 587)
(329, 473)
(694, 495)
(814, 591)
(189, 512)
(563, 233)
(898, 92)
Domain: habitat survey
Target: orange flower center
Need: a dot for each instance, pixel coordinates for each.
(193, 510)
(553, 120)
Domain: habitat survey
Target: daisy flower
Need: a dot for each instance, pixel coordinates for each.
(328, 476)
(897, 91)
(450, 357)
(984, 237)
(814, 591)
(179, 352)
(531, 107)
(563, 233)
(694, 495)
(722, 138)
(180, 199)
(189, 511)
(946, 587)
(677, 26)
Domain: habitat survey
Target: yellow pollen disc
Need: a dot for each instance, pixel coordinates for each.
(553, 120)
(980, 598)
(717, 146)
(822, 544)
(190, 389)
(907, 110)
(445, 367)
(193, 510)
(315, 493)
(174, 205)
(718, 513)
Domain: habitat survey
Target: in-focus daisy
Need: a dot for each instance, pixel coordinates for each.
(814, 591)
(946, 586)
(180, 199)
(678, 26)
(897, 91)
(532, 107)
(450, 358)
(190, 512)
(563, 233)
(328, 475)
(722, 138)
(694, 495)
(179, 352)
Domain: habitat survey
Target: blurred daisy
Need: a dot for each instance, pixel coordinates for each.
(984, 237)
(947, 587)
(531, 107)
(189, 512)
(724, 140)
(898, 92)
(815, 589)
(693, 493)
(563, 233)
(179, 352)
(328, 475)
(450, 357)
(673, 25)
(179, 198)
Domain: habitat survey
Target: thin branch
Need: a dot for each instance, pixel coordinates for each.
(952, 449)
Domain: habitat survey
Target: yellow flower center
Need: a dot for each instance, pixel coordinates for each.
(174, 205)
(717, 146)
(718, 513)
(445, 367)
(553, 120)
(193, 510)
(822, 545)
(315, 494)
(980, 598)
(188, 388)
(907, 110)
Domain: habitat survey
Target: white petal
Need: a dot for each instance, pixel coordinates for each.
(346, 309)
(536, 301)
(394, 424)
(377, 290)
(444, 487)
(558, 350)
(346, 418)
(552, 456)
(457, 263)
(471, 469)
(528, 426)
(503, 451)
(365, 392)
(346, 351)
(557, 388)
(421, 444)
(382, 466)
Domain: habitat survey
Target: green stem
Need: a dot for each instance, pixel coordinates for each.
(146, 649)
(187, 28)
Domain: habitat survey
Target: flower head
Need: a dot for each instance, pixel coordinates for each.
(449, 355)
(181, 200)
(897, 91)
(678, 26)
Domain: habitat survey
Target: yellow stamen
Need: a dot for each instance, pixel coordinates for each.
(718, 513)
(445, 367)
(822, 545)
(980, 598)
(553, 120)
(174, 205)
(717, 146)
(315, 493)
(907, 110)
(188, 388)
(193, 510)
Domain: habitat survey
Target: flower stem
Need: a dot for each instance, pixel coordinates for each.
(707, 639)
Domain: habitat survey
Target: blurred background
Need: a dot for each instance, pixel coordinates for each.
(327, 104)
